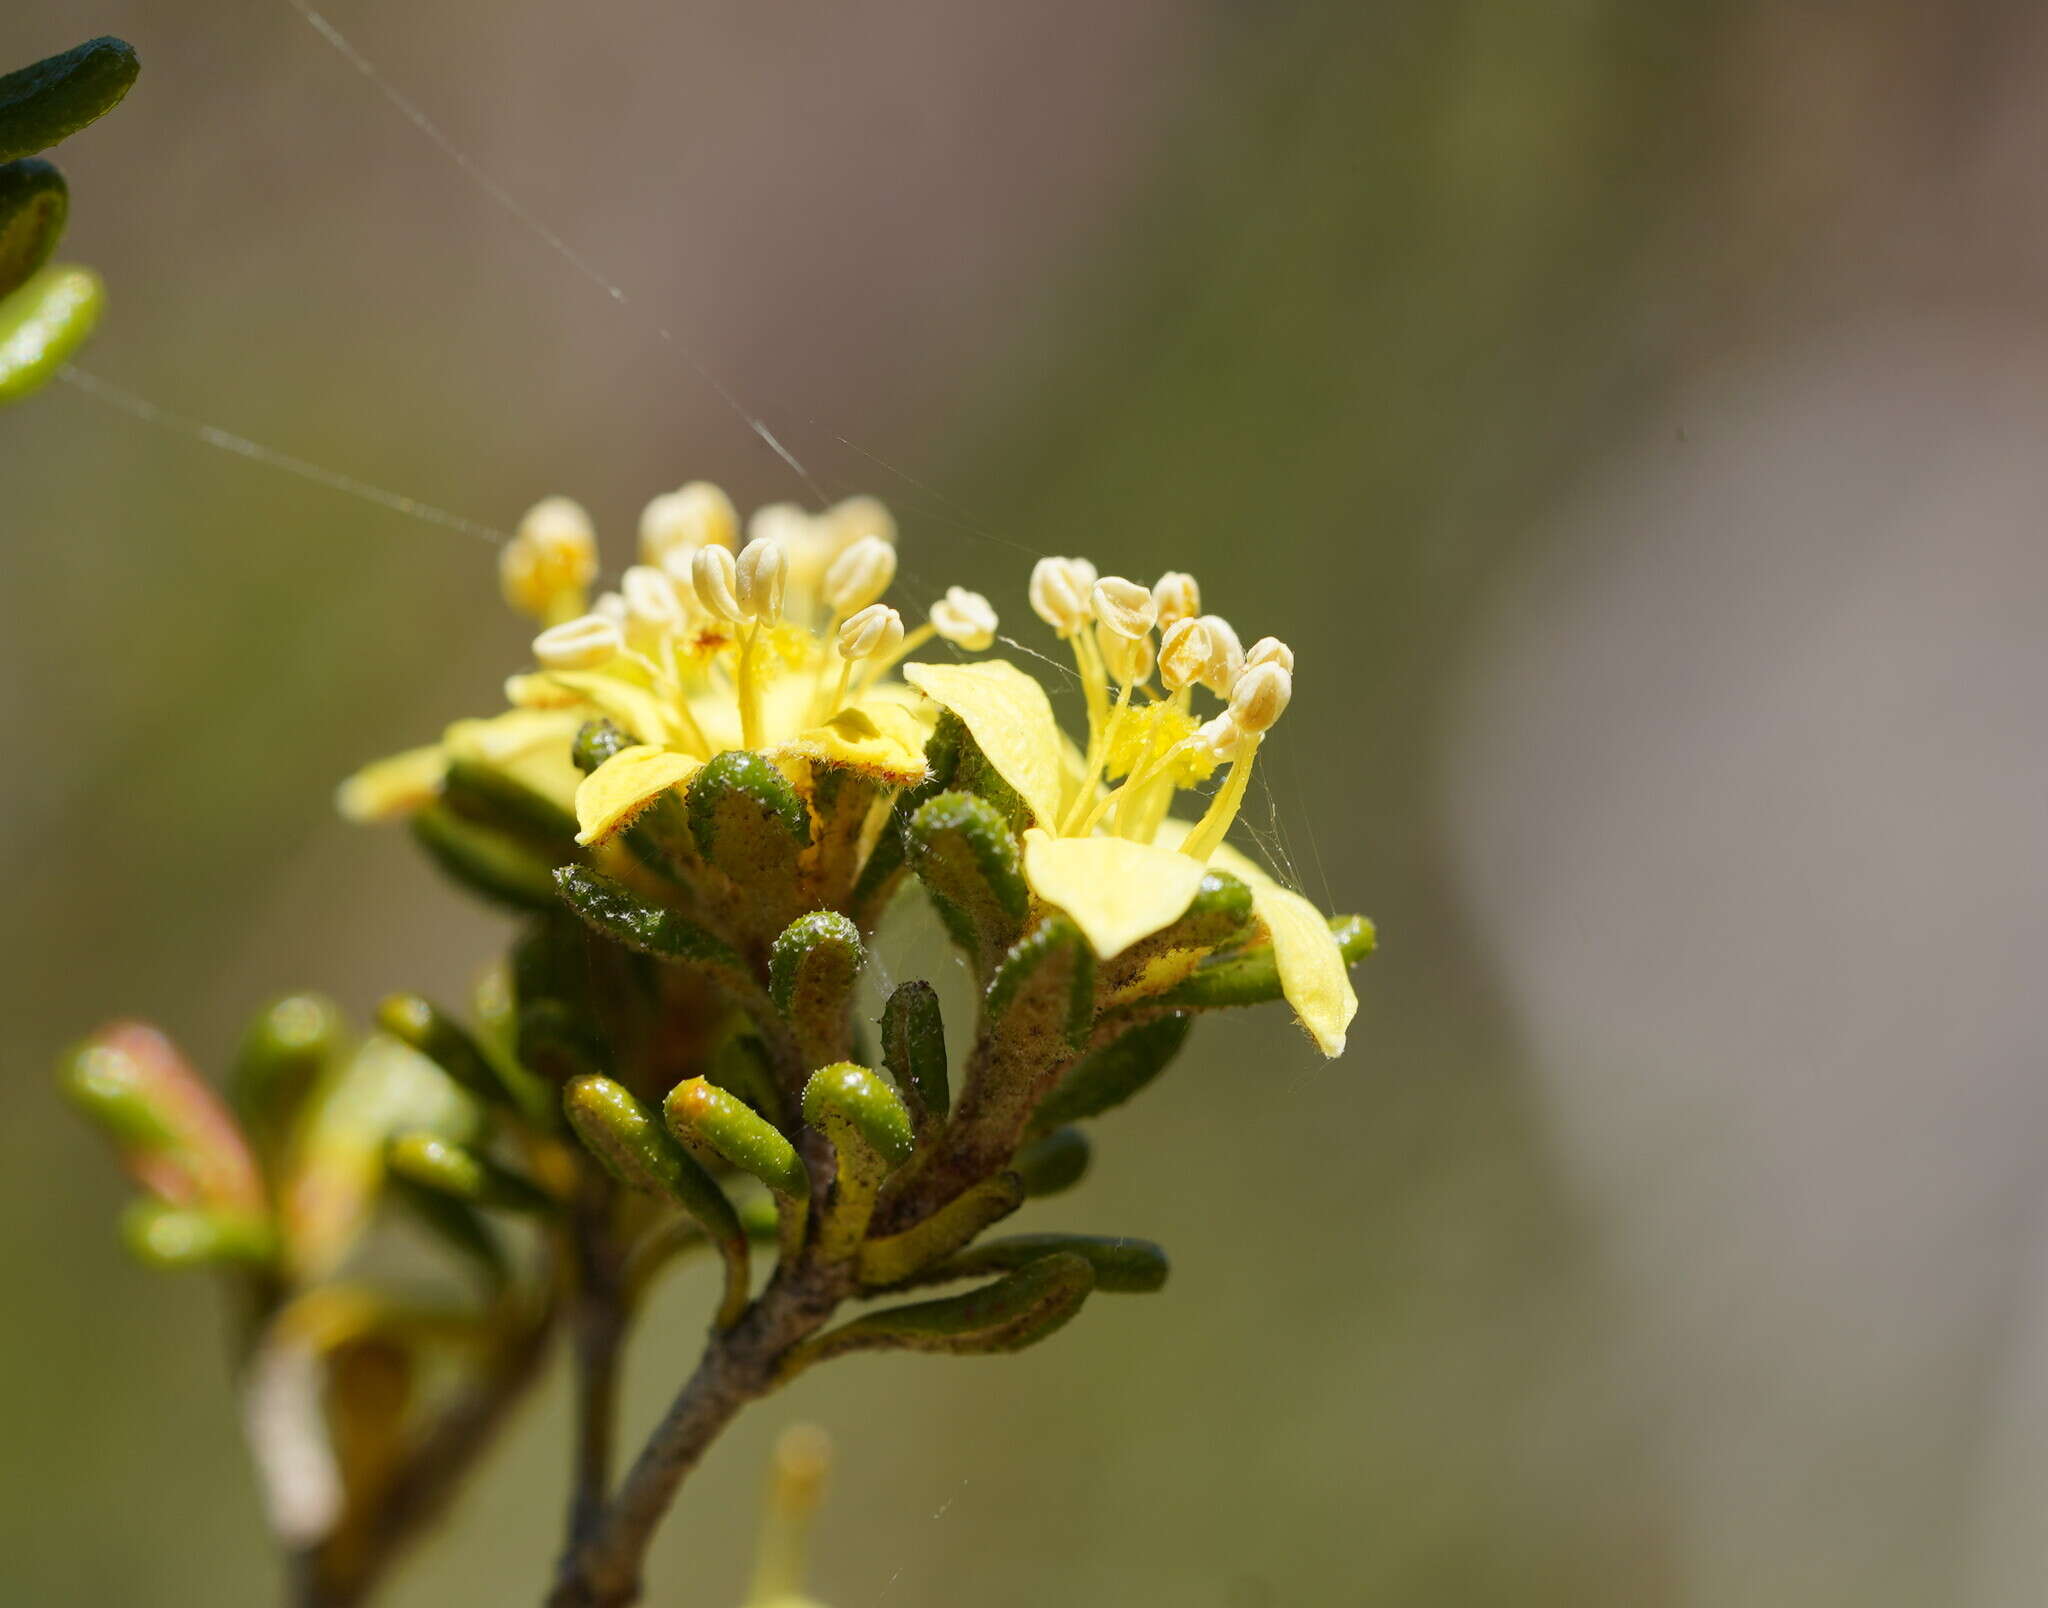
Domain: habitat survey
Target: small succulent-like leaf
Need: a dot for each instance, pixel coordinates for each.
(965, 854)
(425, 1027)
(493, 864)
(1252, 977)
(871, 1135)
(33, 204)
(1044, 987)
(634, 1147)
(596, 741)
(42, 323)
(177, 1237)
(171, 1131)
(747, 819)
(468, 1175)
(626, 918)
(1014, 1312)
(707, 1118)
(1123, 1266)
(812, 968)
(285, 1050)
(914, 1050)
(1106, 1078)
(456, 1224)
(895, 1257)
(559, 1042)
(52, 99)
(493, 797)
(1053, 1163)
(1219, 916)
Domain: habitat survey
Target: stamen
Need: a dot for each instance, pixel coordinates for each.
(652, 610)
(714, 577)
(1176, 597)
(859, 575)
(965, 619)
(550, 561)
(584, 643)
(1271, 650)
(1223, 735)
(1059, 593)
(1124, 607)
(761, 572)
(874, 633)
(1260, 697)
(1226, 656)
(1185, 650)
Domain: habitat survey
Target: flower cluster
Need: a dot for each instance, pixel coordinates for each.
(706, 790)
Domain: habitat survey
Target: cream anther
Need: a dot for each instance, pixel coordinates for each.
(1059, 593)
(1271, 650)
(965, 619)
(859, 517)
(610, 606)
(1128, 659)
(700, 515)
(1226, 656)
(760, 573)
(652, 608)
(714, 577)
(1124, 607)
(860, 575)
(1176, 597)
(1220, 736)
(1185, 649)
(1259, 697)
(876, 629)
(583, 643)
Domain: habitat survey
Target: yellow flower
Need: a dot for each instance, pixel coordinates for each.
(1110, 856)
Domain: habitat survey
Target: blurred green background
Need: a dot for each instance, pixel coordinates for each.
(1573, 385)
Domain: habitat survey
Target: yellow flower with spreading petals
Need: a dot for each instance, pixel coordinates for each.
(1105, 848)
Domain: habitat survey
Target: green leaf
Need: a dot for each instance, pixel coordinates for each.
(493, 864)
(42, 324)
(53, 99)
(1253, 976)
(914, 1050)
(497, 799)
(626, 918)
(871, 1136)
(1123, 1266)
(895, 1257)
(1106, 1078)
(285, 1051)
(634, 1147)
(178, 1237)
(706, 1117)
(1054, 1163)
(425, 1027)
(466, 1175)
(33, 204)
(457, 1225)
(1043, 991)
(963, 851)
(746, 818)
(1014, 1312)
(812, 968)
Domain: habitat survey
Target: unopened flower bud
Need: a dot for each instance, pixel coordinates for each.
(583, 643)
(1185, 648)
(1124, 607)
(760, 573)
(1128, 659)
(1271, 650)
(714, 577)
(860, 575)
(1226, 656)
(965, 619)
(652, 608)
(1059, 593)
(1176, 597)
(548, 562)
(872, 630)
(700, 515)
(1260, 696)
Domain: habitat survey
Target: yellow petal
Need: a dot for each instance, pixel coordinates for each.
(1313, 975)
(633, 708)
(623, 786)
(1117, 891)
(529, 745)
(1009, 717)
(387, 788)
(886, 742)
